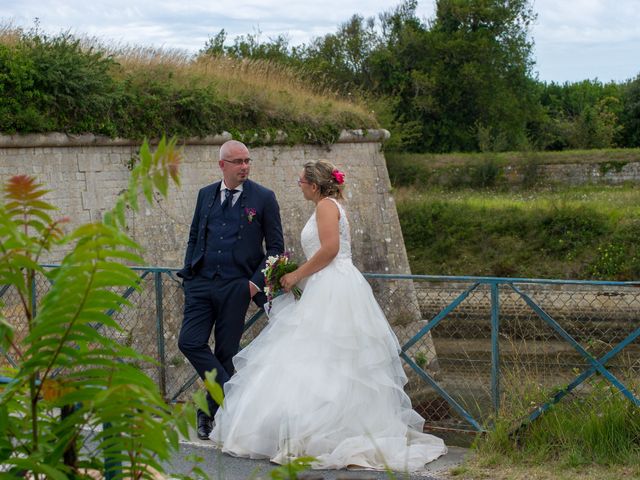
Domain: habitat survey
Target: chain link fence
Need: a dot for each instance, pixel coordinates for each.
(472, 347)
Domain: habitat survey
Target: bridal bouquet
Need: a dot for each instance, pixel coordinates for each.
(275, 268)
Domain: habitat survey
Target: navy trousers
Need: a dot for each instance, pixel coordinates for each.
(213, 305)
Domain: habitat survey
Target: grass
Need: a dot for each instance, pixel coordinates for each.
(280, 90)
(498, 468)
(610, 200)
(79, 85)
(593, 434)
(437, 160)
(586, 232)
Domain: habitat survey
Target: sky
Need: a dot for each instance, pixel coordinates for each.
(574, 40)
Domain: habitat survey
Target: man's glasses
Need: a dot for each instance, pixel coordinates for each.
(239, 161)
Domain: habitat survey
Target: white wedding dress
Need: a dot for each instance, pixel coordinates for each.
(324, 379)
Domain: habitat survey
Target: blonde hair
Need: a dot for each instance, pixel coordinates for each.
(321, 173)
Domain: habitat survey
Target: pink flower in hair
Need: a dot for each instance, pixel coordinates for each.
(338, 175)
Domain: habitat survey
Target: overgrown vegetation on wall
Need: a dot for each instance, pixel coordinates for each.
(60, 84)
(499, 169)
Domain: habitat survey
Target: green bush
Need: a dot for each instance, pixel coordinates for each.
(562, 229)
(609, 261)
(447, 233)
(486, 174)
(619, 255)
(407, 170)
(403, 171)
(19, 100)
(57, 84)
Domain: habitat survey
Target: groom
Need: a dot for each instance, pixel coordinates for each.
(223, 266)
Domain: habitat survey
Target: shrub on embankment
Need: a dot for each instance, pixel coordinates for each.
(63, 84)
(588, 232)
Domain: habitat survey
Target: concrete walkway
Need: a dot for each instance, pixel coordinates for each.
(225, 467)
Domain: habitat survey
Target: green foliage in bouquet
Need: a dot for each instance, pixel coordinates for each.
(66, 378)
(275, 268)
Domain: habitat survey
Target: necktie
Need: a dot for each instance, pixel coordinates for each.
(228, 196)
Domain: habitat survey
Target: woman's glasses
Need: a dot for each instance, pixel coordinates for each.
(300, 181)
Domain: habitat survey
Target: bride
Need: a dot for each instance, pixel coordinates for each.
(324, 378)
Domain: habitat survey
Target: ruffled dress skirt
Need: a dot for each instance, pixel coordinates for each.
(324, 379)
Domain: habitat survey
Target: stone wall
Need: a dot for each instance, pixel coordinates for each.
(85, 174)
(605, 172)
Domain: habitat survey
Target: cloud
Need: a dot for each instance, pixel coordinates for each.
(574, 39)
(587, 21)
(587, 39)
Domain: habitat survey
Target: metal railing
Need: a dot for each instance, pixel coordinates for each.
(524, 334)
(473, 346)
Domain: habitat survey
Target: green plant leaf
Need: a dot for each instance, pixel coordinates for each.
(6, 333)
(145, 156)
(37, 467)
(213, 387)
(200, 399)
(132, 192)
(161, 182)
(147, 189)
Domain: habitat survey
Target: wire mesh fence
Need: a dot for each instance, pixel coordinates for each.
(472, 346)
(515, 365)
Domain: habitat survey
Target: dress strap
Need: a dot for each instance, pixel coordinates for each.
(340, 209)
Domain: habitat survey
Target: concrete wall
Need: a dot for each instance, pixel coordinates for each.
(85, 174)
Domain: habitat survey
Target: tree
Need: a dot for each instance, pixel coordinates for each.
(251, 46)
(462, 76)
(582, 114)
(597, 125)
(400, 77)
(214, 46)
(481, 57)
(630, 115)
(342, 57)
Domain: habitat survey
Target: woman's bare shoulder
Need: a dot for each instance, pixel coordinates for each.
(327, 206)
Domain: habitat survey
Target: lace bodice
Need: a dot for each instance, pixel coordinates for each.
(311, 242)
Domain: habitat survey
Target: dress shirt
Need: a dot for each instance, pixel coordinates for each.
(236, 195)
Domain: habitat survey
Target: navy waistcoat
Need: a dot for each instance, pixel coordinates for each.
(223, 227)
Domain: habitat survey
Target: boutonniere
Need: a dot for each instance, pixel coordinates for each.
(250, 213)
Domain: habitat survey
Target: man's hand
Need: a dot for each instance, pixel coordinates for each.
(252, 289)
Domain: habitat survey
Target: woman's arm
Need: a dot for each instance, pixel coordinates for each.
(327, 218)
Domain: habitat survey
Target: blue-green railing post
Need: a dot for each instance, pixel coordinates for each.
(34, 299)
(160, 332)
(112, 466)
(4, 352)
(495, 347)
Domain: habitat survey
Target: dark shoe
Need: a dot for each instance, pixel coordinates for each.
(205, 425)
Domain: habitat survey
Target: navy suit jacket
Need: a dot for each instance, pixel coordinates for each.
(259, 237)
